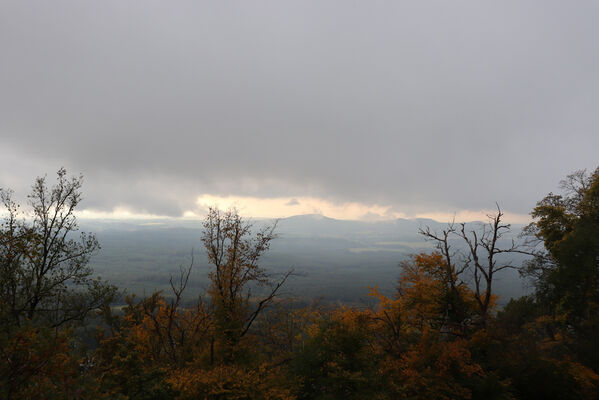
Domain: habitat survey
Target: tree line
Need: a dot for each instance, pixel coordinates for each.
(441, 334)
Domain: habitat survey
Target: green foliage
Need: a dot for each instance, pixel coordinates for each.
(45, 287)
(336, 361)
(517, 313)
(567, 274)
(130, 376)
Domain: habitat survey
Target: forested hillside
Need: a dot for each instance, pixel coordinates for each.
(442, 332)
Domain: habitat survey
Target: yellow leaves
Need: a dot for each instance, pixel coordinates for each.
(163, 333)
(387, 323)
(432, 297)
(422, 289)
(587, 379)
(432, 264)
(385, 303)
(230, 382)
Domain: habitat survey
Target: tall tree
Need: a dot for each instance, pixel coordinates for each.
(566, 267)
(46, 286)
(234, 249)
(44, 268)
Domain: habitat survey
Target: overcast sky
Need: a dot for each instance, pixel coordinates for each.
(354, 109)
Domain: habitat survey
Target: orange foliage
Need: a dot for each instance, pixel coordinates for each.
(433, 370)
(431, 295)
(587, 379)
(230, 382)
(38, 363)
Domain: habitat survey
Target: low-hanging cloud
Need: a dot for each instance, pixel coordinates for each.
(420, 107)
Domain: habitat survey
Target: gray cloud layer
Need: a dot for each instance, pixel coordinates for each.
(423, 105)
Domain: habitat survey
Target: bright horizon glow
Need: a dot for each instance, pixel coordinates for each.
(117, 213)
(284, 207)
(281, 207)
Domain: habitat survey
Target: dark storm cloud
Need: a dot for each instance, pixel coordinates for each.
(420, 105)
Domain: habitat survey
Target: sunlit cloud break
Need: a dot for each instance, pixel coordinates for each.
(283, 207)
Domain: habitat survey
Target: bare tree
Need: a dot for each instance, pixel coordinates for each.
(178, 330)
(479, 263)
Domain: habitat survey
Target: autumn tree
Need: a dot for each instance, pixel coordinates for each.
(234, 248)
(545, 343)
(163, 347)
(433, 297)
(423, 344)
(46, 286)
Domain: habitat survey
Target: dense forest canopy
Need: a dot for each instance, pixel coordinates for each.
(441, 334)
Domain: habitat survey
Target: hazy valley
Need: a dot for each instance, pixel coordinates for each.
(333, 260)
